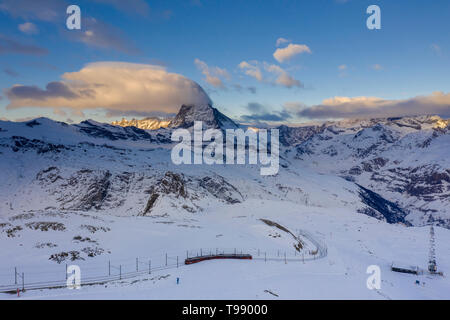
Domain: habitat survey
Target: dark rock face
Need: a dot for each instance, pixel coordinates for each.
(113, 133)
(96, 193)
(171, 183)
(424, 184)
(46, 226)
(290, 136)
(33, 123)
(24, 144)
(378, 207)
(85, 189)
(221, 189)
(211, 118)
(427, 183)
(175, 186)
(49, 175)
(62, 256)
(355, 171)
(150, 203)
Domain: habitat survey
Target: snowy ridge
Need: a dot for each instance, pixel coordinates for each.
(145, 124)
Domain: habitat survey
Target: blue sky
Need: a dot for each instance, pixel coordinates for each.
(391, 71)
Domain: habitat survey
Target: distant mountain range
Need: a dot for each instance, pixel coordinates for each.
(146, 123)
(211, 118)
(394, 169)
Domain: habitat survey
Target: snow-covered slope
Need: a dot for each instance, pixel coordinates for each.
(406, 160)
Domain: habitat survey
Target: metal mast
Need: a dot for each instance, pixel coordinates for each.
(432, 255)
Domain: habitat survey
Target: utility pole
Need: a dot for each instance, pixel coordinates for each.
(432, 268)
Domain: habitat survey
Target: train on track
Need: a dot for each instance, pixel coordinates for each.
(217, 256)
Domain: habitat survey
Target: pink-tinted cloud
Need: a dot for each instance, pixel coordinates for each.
(112, 86)
(438, 103)
(287, 53)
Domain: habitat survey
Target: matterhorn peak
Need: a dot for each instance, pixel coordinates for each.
(211, 117)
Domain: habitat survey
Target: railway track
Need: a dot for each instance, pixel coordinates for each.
(321, 251)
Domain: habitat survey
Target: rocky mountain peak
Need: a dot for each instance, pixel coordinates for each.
(211, 117)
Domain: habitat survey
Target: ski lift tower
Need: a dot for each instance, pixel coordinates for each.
(432, 268)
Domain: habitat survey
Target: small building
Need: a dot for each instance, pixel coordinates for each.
(404, 268)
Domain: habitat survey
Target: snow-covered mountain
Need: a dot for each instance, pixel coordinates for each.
(398, 167)
(407, 160)
(211, 118)
(145, 124)
(94, 192)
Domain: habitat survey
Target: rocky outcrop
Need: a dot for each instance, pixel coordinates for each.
(187, 192)
(380, 208)
(221, 189)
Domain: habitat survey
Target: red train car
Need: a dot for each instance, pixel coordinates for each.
(217, 256)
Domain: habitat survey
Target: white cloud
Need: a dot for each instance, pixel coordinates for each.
(28, 28)
(287, 53)
(212, 75)
(113, 86)
(372, 107)
(436, 49)
(342, 70)
(283, 78)
(281, 41)
(251, 69)
(377, 67)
